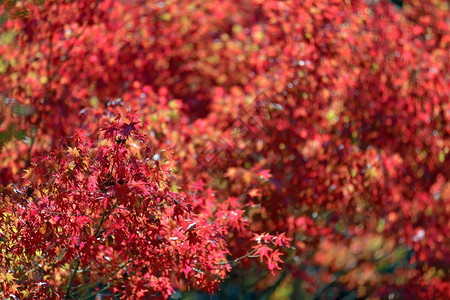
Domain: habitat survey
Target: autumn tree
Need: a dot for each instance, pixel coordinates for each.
(324, 123)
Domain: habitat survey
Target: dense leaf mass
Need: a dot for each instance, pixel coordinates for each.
(148, 147)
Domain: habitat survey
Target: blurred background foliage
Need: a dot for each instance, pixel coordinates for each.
(364, 83)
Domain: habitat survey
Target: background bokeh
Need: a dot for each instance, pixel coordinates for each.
(327, 120)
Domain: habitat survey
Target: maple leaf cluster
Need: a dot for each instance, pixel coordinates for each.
(149, 147)
(106, 208)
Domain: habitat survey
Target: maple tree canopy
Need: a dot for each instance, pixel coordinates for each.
(294, 149)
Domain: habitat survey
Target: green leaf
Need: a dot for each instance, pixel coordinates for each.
(21, 135)
(3, 18)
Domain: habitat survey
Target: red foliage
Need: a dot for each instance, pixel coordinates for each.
(106, 204)
(325, 120)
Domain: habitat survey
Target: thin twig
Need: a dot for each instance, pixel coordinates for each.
(101, 279)
(69, 285)
(96, 234)
(250, 254)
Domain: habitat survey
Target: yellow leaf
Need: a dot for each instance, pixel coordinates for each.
(9, 277)
(73, 151)
(44, 228)
(28, 173)
(174, 188)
